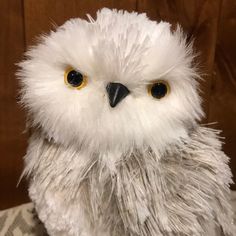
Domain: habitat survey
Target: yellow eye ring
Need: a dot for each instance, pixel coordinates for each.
(159, 89)
(75, 79)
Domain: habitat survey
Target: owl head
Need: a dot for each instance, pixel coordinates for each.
(118, 82)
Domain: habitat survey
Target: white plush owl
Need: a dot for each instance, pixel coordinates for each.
(116, 148)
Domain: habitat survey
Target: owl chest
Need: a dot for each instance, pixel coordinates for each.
(140, 194)
(103, 199)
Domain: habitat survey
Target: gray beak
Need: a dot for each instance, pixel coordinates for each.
(116, 93)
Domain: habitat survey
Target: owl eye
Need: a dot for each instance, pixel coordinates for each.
(75, 79)
(159, 89)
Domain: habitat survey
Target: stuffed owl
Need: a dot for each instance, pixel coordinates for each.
(117, 148)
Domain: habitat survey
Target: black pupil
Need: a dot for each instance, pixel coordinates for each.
(159, 90)
(74, 78)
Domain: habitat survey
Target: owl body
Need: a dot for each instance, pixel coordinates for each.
(117, 148)
(183, 193)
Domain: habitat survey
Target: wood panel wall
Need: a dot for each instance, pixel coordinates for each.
(212, 23)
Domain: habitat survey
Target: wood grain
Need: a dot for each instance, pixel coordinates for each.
(12, 122)
(222, 103)
(41, 18)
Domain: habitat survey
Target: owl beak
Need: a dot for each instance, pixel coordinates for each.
(116, 93)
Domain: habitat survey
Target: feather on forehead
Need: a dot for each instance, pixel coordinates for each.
(136, 26)
(131, 42)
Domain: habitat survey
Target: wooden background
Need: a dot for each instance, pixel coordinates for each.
(211, 22)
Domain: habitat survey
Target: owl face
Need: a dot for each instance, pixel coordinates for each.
(118, 82)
